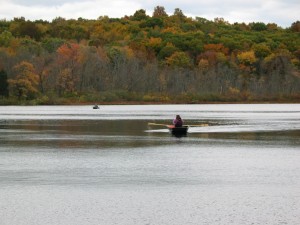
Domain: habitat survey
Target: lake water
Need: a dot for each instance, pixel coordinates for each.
(73, 165)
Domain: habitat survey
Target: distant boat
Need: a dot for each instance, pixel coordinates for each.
(95, 107)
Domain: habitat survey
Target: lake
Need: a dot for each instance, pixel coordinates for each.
(74, 165)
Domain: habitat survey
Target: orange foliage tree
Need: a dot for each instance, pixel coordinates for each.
(69, 61)
(25, 85)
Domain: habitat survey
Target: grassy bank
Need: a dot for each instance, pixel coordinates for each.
(109, 98)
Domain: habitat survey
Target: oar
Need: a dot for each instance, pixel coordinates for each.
(192, 125)
(159, 124)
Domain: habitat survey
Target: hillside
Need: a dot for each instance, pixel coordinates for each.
(140, 58)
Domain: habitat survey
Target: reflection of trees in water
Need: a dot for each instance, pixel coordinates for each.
(87, 134)
(79, 133)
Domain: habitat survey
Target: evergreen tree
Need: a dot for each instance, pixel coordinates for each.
(3, 84)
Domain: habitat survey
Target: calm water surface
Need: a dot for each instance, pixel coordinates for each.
(75, 165)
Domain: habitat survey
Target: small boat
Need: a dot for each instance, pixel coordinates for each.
(178, 130)
(95, 107)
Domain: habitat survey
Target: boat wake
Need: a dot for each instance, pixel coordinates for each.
(241, 128)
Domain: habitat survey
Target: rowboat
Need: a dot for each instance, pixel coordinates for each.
(178, 130)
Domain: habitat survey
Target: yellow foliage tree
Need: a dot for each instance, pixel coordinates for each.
(173, 30)
(247, 58)
(261, 50)
(25, 85)
(155, 42)
(179, 59)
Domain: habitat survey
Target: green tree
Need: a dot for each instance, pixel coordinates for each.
(167, 51)
(52, 44)
(5, 38)
(261, 50)
(259, 26)
(27, 28)
(152, 22)
(159, 11)
(139, 15)
(178, 12)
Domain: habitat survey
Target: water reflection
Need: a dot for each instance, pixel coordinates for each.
(121, 133)
(127, 126)
(108, 165)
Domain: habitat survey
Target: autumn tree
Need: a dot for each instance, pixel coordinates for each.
(216, 48)
(155, 44)
(144, 54)
(43, 66)
(69, 63)
(179, 59)
(25, 85)
(65, 82)
(247, 68)
(295, 26)
(279, 76)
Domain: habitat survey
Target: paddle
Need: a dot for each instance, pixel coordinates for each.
(192, 125)
(158, 124)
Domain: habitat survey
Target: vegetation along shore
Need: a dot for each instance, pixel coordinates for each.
(147, 59)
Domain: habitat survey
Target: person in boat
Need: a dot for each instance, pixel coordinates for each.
(178, 122)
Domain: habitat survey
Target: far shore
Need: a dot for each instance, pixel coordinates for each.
(154, 103)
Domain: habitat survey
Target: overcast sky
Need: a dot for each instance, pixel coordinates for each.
(281, 12)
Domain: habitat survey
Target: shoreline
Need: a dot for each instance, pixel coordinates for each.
(184, 103)
(156, 103)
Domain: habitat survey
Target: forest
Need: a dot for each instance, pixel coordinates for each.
(147, 59)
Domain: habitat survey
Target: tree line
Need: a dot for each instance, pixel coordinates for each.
(162, 58)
